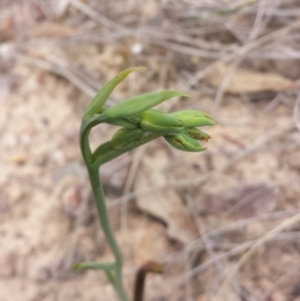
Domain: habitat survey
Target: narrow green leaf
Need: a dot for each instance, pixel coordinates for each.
(140, 103)
(101, 97)
(110, 277)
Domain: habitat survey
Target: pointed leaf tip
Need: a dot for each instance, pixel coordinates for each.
(122, 75)
(179, 93)
(101, 97)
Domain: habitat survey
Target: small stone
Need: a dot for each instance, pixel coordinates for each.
(137, 48)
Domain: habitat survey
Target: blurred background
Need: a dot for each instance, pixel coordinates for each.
(223, 222)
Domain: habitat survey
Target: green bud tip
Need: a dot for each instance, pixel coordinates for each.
(184, 142)
(196, 134)
(122, 75)
(193, 118)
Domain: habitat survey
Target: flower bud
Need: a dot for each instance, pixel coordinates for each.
(196, 134)
(102, 150)
(156, 121)
(125, 137)
(184, 142)
(192, 118)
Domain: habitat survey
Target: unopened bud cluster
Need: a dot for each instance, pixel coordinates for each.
(139, 120)
(179, 129)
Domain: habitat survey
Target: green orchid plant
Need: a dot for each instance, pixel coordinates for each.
(140, 123)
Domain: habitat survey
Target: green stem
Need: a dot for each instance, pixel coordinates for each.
(107, 229)
(85, 129)
(93, 170)
(95, 266)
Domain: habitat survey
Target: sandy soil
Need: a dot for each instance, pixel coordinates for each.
(198, 214)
